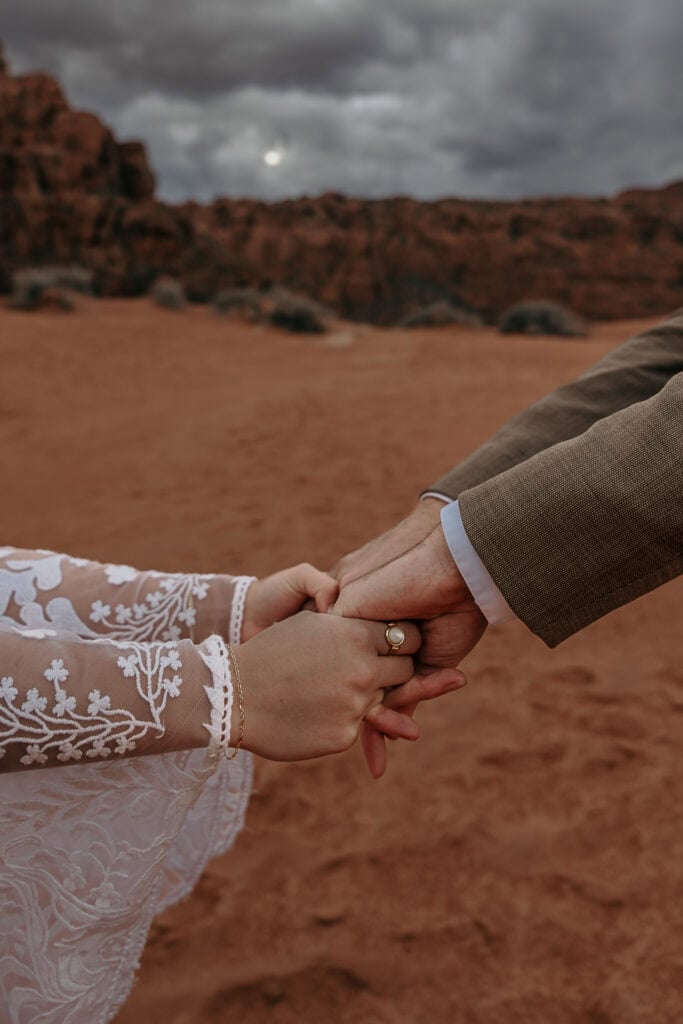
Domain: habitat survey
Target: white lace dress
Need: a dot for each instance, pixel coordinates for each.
(100, 664)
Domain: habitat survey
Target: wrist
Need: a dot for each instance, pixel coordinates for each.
(447, 576)
(427, 513)
(237, 712)
(245, 715)
(250, 626)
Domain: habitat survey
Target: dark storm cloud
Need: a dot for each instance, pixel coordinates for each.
(211, 47)
(477, 97)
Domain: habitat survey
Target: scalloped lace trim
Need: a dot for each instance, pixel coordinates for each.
(215, 656)
(239, 599)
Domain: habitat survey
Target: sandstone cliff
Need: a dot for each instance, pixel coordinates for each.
(69, 192)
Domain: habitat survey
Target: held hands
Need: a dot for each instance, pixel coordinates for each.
(423, 584)
(312, 679)
(390, 545)
(409, 573)
(285, 593)
(297, 676)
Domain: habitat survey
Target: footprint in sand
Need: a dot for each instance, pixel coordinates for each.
(326, 985)
(510, 760)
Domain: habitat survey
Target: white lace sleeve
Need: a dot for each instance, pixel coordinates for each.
(45, 590)
(100, 660)
(64, 699)
(97, 665)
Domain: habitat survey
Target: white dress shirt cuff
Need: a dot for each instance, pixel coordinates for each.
(472, 569)
(435, 494)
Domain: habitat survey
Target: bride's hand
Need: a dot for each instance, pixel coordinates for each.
(309, 681)
(285, 593)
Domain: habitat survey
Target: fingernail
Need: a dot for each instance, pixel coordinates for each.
(456, 685)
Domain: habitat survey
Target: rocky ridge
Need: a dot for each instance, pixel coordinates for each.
(70, 192)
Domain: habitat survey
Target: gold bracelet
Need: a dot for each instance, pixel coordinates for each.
(240, 697)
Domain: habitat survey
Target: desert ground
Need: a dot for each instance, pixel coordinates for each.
(523, 862)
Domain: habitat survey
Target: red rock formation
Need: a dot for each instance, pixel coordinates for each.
(376, 260)
(70, 192)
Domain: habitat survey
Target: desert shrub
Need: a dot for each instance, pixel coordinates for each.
(168, 293)
(277, 306)
(65, 299)
(296, 313)
(244, 302)
(27, 289)
(72, 278)
(35, 287)
(440, 314)
(541, 318)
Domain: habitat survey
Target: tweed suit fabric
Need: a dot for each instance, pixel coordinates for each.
(576, 505)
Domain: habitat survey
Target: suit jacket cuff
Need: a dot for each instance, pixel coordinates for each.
(472, 569)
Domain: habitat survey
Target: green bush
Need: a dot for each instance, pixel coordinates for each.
(541, 318)
(168, 293)
(440, 314)
(278, 306)
(296, 313)
(34, 287)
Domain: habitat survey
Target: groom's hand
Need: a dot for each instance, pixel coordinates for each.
(422, 583)
(396, 541)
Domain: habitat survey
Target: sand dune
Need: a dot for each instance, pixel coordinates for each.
(522, 863)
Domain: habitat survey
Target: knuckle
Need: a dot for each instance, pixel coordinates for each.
(343, 572)
(374, 714)
(360, 705)
(347, 736)
(366, 675)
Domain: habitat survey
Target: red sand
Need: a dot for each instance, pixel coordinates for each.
(523, 862)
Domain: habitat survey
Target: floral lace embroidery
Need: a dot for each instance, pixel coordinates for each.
(102, 729)
(88, 854)
(160, 616)
(92, 849)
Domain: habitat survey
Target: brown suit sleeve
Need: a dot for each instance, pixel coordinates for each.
(631, 373)
(576, 505)
(589, 524)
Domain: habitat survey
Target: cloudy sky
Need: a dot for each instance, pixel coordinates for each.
(275, 98)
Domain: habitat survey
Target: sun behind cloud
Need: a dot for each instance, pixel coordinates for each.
(273, 157)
